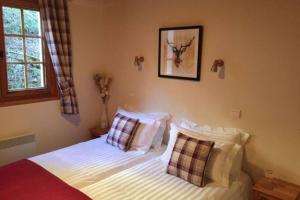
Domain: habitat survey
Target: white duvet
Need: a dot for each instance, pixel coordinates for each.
(149, 181)
(89, 162)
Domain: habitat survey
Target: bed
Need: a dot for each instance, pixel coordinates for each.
(150, 181)
(98, 170)
(88, 162)
(60, 174)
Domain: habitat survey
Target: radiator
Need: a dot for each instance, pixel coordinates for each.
(16, 148)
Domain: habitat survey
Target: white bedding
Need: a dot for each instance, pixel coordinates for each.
(88, 162)
(149, 181)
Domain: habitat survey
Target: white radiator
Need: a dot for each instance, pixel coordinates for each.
(16, 148)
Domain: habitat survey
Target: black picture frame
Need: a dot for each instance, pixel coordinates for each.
(199, 54)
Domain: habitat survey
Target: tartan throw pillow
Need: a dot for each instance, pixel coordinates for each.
(189, 159)
(122, 132)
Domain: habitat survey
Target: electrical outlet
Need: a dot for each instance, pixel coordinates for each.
(269, 173)
(236, 113)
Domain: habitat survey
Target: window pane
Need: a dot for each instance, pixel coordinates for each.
(14, 49)
(12, 20)
(35, 75)
(32, 22)
(34, 50)
(15, 76)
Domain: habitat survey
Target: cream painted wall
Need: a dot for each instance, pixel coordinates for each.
(260, 43)
(44, 119)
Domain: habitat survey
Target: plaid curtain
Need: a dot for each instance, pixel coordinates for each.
(55, 19)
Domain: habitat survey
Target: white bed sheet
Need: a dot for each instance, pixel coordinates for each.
(149, 181)
(89, 162)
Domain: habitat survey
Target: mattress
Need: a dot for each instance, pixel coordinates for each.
(89, 162)
(150, 181)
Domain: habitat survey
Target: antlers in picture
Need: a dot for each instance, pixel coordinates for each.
(179, 51)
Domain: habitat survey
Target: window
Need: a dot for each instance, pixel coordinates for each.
(26, 71)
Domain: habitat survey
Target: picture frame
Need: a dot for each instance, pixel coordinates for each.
(180, 50)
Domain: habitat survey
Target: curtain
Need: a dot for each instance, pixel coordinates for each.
(55, 18)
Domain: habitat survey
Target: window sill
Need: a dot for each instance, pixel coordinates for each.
(27, 101)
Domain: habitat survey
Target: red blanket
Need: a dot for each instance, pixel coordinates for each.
(25, 180)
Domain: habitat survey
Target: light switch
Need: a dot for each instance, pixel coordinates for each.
(236, 113)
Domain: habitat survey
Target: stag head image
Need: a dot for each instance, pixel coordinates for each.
(178, 51)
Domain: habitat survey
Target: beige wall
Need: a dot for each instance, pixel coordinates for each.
(44, 119)
(260, 43)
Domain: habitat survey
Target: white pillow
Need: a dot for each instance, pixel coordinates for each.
(144, 135)
(237, 135)
(161, 117)
(213, 132)
(166, 156)
(222, 158)
(228, 134)
(194, 126)
(236, 168)
(244, 137)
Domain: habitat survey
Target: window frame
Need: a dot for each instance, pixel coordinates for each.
(50, 92)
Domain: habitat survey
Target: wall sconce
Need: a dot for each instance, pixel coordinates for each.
(217, 63)
(138, 61)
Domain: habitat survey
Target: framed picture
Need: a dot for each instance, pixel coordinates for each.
(180, 50)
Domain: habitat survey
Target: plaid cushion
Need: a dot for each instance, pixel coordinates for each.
(189, 158)
(122, 132)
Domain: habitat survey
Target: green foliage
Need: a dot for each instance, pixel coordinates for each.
(34, 76)
(15, 74)
(31, 22)
(12, 19)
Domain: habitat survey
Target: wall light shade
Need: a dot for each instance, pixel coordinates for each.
(217, 63)
(138, 61)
